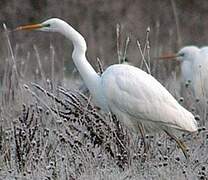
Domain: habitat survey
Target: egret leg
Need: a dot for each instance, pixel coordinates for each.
(181, 144)
(141, 129)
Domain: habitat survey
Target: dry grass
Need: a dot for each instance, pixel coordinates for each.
(50, 132)
(50, 129)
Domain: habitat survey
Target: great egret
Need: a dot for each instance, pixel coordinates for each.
(131, 94)
(194, 69)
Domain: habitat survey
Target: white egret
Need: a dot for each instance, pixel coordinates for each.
(194, 70)
(131, 94)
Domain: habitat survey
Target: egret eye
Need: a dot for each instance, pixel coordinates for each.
(47, 25)
(181, 54)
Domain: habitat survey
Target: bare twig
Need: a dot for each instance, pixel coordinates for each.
(143, 58)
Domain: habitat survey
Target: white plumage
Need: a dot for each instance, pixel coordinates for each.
(135, 96)
(131, 94)
(194, 69)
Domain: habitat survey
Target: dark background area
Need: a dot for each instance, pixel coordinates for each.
(173, 24)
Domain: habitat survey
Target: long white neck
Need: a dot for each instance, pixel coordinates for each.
(88, 74)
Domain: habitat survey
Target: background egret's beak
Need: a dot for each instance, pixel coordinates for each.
(29, 27)
(168, 57)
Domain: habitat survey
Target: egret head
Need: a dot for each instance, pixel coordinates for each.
(187, 53)
(59, 26)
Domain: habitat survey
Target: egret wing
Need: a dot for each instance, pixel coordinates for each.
(136, 93)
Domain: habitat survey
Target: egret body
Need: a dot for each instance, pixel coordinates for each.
(194, 68)
(128, 92)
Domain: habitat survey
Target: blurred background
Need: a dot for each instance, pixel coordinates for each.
(76, 141)
(173, 24)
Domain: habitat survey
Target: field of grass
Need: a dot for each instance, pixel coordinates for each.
(50, 128)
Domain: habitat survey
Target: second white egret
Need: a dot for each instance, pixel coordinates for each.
(194, 69)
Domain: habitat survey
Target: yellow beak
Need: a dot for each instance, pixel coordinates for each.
(29, 27)
(168, 57)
